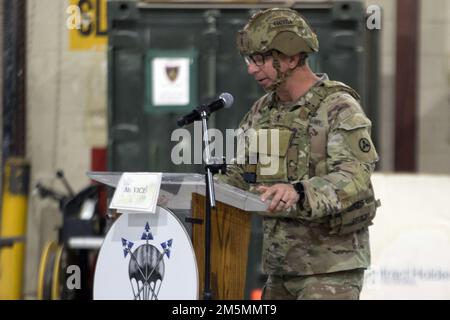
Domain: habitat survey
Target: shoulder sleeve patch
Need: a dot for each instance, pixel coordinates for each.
(355, 131)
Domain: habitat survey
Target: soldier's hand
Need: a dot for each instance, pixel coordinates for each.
(283, 196)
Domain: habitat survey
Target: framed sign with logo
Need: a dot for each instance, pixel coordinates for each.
(171, 80)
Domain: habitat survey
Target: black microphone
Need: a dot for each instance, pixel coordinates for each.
(225, 101)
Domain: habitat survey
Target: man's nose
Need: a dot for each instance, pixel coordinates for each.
(252, 68)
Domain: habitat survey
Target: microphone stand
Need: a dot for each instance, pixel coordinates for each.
(211, 168)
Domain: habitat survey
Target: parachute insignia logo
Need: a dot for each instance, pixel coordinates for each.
(127, 245)
(146, 266)
(147, 235)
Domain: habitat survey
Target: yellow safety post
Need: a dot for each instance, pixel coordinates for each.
(13, 224)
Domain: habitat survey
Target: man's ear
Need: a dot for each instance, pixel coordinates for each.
(294, 60)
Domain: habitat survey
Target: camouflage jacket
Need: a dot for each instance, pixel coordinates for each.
(325, 144)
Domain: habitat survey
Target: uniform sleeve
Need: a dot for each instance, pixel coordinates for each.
(235, 177)
(351, 158)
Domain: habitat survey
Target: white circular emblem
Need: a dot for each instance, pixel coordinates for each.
(146, 257)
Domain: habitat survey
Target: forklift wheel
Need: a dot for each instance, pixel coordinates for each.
(49, 272)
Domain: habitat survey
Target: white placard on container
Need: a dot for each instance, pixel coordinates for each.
(171, 81)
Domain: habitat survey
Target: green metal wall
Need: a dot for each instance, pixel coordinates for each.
(140, 140)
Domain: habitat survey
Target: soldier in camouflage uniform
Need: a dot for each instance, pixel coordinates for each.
(316, 239)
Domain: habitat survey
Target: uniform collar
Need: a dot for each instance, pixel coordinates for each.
(301, 101)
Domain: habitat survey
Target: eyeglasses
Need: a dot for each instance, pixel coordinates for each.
(258, 58)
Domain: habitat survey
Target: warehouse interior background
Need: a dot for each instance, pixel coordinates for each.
(59, 98)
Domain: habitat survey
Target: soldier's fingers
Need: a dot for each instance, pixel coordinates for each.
(269, 192)
(276, 200)
(262, 188)
(275, 206)
(279, 207)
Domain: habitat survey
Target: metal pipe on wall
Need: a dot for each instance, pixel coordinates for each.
(13, 226)
(406, 85)
(14, 111)
(15, 168)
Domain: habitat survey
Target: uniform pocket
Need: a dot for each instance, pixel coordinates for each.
(272, 148)
(355, 219)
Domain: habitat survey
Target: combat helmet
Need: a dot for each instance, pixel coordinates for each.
(280, 29)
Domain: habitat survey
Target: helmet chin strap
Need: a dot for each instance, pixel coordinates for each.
(281, 77)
